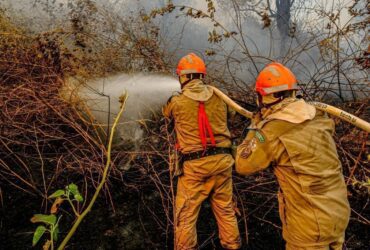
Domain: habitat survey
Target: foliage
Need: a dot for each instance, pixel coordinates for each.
(42, 135)
(51, 226)
(70, 194)
(72, 189)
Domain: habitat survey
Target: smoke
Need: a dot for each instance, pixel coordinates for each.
(181, 34)
(147, 94)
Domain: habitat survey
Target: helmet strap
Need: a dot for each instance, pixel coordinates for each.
(184, 80)
(263, 104)
(268, 105)
(185, 83)
(259, 102)
(189, 78)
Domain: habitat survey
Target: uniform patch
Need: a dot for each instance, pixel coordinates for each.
(249, 148)
(260, 137)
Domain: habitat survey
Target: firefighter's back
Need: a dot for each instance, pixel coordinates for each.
(185, 112)
(310, 175)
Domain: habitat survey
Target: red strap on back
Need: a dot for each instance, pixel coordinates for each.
(204, 127)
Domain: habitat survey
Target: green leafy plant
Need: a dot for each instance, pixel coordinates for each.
(50, 225)
(73, 196)
(50, 222)
(80, 217)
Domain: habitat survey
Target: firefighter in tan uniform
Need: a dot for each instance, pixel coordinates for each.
(203, 140)
(296, 140)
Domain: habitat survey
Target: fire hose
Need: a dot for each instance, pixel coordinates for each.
(358, 122)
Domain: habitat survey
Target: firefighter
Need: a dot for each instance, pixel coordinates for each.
(297, 141)
(203, 141)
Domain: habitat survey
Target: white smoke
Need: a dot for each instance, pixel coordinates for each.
(147, 93)
(180, 34)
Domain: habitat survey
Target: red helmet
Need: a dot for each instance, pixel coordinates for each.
(275, 77)
(189, 64)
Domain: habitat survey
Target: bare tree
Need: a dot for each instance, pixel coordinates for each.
(282, 16)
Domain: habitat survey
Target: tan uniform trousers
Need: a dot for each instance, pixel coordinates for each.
(337, 245)
(206, 177)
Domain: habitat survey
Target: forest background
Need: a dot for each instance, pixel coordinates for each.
(48, 141)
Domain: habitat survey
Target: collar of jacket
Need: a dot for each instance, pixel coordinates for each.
(197, 90)
(291, 110)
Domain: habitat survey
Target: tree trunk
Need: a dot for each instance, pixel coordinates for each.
(283, 22)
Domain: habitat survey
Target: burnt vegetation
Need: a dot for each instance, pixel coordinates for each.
(48, 141)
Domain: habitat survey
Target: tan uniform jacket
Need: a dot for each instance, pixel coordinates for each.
(183, 108)
(297, 141)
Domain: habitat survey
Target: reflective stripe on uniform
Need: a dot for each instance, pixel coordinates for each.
(188, 71)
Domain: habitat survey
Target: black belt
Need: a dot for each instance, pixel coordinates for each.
(200, 154)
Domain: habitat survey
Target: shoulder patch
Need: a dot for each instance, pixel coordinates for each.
(260, 137)
(250, 146)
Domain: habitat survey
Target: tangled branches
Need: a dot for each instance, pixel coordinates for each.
(46, 142)
(41, 136)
